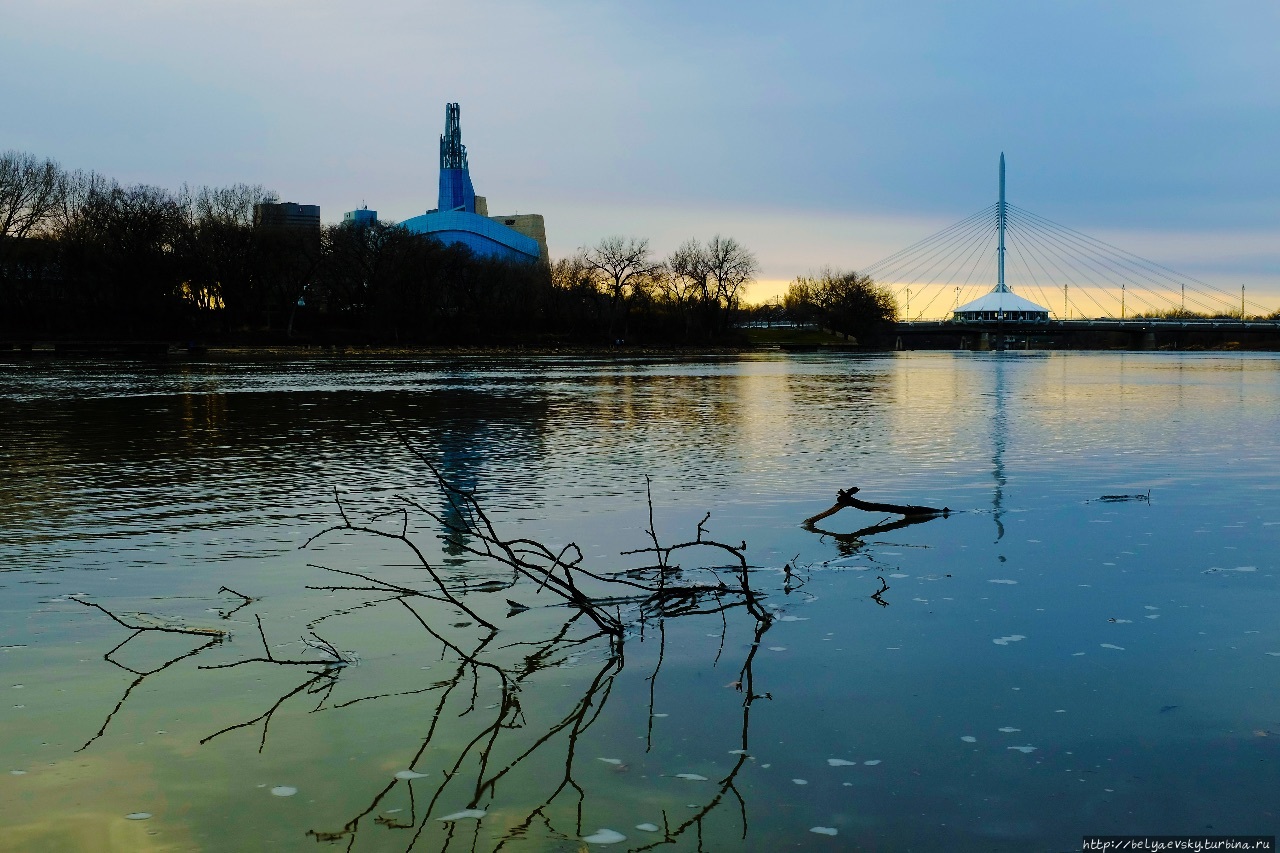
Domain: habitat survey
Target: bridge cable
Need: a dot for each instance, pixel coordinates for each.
(973, 246)
(1113, 267)
(1052, 255)
(928, 253)
(1156, 268)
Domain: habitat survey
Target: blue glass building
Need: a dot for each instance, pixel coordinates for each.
(456, 219)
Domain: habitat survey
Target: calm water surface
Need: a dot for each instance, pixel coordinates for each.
(1048, 665)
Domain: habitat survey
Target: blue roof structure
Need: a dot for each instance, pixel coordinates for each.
(455, 219)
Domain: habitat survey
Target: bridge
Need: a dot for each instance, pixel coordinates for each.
(1080, 285)
(1105, 332)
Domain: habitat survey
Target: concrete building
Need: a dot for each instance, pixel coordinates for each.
(360, 216)
(460, 216)
(286, 214)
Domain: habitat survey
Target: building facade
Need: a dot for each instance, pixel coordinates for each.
(286, 214)
(360, 217)
(461, 217)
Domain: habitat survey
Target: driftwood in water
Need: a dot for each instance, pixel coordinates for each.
(845, 498)
(1118, 498)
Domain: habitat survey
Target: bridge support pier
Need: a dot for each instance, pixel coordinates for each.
(984, 342)
(1149, 340)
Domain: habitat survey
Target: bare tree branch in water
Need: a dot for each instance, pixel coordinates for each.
(245, 602)
(884, 587)
(845, 498)
(502, 748)
(213, 637)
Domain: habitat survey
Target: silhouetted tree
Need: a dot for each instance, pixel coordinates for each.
(124, 258)
(621, 264)
(225, 255)
(845, 302)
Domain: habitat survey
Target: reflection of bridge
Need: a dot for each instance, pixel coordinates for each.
(1069, 274)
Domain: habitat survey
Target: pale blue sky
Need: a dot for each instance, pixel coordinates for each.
(817, 133)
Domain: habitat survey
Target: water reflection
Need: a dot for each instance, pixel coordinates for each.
(999, 437)
(149, 489)
(490, 730)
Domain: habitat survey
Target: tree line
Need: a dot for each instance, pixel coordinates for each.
(82, 256)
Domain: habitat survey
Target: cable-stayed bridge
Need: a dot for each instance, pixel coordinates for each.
(1069, 274)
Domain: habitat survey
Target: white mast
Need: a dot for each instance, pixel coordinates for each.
(1002, 216)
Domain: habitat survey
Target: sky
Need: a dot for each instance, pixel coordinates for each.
(817, 134)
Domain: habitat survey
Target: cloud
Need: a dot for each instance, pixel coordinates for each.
(805, 127)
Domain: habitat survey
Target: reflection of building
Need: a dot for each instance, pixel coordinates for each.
(286, 214)
(362, 216)
(463, 217)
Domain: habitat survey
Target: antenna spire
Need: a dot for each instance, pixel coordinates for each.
(1002, 215)
(453, 154)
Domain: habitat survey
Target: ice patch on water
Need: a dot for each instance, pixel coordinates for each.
(610, 760)
(968, 738)
(1007, 729)
(1012, 638)
(824, 830)
(872, 763)
(840, 762)
(138, 816)
(899, 575)
(659, 715)
(692, 777)
(409, 774)
(1274, 654)
(465, 814)
(777, 648)
(1109, 646)
(801, 781)
(1001, 580)
(647, 827)
(604, 836)
(793, 619)
(1153, 615)
(1149, 607)
(1023, 749)
(284, 791)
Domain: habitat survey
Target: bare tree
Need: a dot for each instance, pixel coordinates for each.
(690, 272)
(686, 283)
(732, 266)
(30, 190)
(622, 264)
(223, 243)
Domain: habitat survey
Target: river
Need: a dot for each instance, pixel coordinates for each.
(1086, 644)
